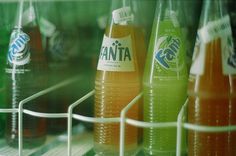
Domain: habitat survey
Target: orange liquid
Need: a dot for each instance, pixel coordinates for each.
(212, 102)
(114, 90)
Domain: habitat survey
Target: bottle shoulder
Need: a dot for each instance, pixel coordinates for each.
(224, 85)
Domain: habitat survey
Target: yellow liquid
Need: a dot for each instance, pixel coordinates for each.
(113, 91)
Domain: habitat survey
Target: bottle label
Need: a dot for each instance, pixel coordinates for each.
(122, 15)
(169, 50)
(116, 55)
(197, 67)
(228, 55)
(46, 27)
(18, 53)
(215, 29)
(56, 49)
(28, 16)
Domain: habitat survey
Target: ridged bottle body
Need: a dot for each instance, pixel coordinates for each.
(113, 91)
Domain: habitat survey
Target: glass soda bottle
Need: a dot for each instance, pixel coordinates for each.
(58, 64)
(117, 81)
(26, 75)
(212, 83)
(165, 79)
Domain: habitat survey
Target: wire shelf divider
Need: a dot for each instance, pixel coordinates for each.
(34, 96)
(122, 120)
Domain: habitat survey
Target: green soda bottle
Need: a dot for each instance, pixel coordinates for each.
(165, 80)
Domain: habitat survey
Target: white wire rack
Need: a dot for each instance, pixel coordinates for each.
(180, 124)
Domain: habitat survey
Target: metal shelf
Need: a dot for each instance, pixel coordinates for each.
(62, 145)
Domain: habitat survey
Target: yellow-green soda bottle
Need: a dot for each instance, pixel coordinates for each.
(165, 80)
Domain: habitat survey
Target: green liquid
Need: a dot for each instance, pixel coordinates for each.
(165, 88)
(162, 104)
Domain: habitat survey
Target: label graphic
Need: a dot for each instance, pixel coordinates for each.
(18, 53)
(122, 15)
(56, 49)
(46, 27)
(167, 53)
(228, 55)
(116, 55)
(216, 29)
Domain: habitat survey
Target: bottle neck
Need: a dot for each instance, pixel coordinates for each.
(168, 9)
(213, 10)
(121, 13)
(116, 4)
(26, 14)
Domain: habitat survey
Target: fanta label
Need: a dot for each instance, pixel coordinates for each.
(167, 52)
(116, 55)
(18, 53)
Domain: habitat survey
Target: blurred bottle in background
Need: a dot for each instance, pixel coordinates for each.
(90, 26)
(58, 61)
(191, 14)
(68, 25)
(232, 13)
(165, 79)
(4, 41)
(117, 74)
(212, 83)
(26, 74)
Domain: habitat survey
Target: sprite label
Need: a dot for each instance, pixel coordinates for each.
(169, 50)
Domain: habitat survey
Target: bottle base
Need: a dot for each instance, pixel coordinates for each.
(151, 152)
(112, 150)
(28, 143)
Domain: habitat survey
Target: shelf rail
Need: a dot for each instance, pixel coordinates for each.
(20, 110)
(180, 124)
